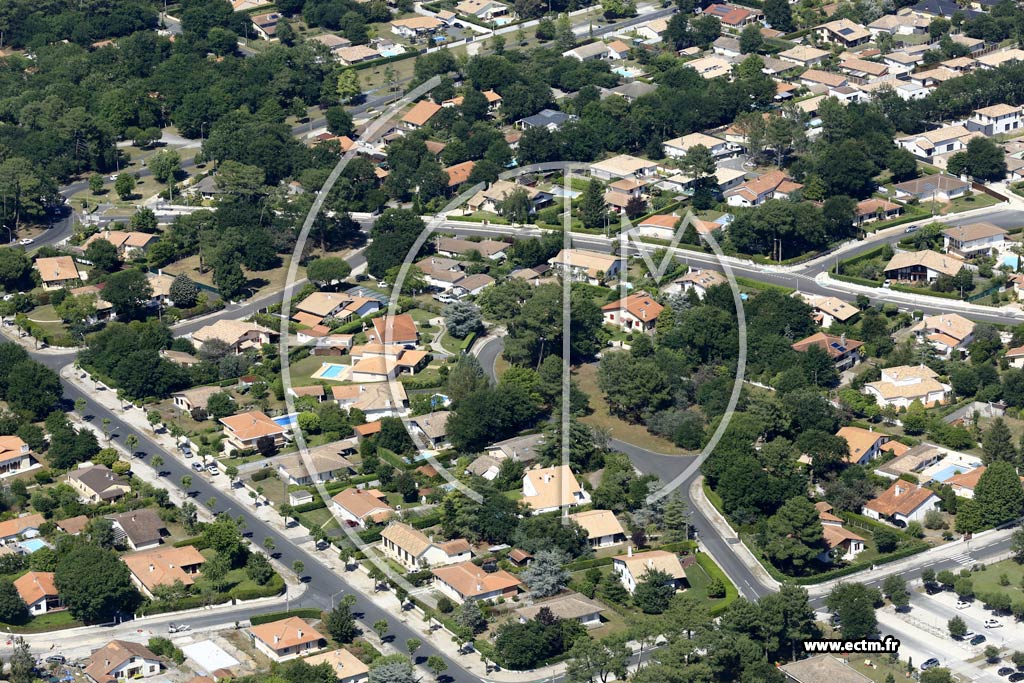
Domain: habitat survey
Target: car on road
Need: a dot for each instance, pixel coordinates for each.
(1006, 671)
(197, 466)
(962, 604)
(978, 639)
(26, 241)
(212, 469)
(912, 228)
(993, 623)
(929, 664)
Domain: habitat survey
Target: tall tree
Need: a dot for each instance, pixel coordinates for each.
(794, 535)
(999, 494)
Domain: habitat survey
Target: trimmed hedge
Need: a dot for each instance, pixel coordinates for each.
(855, 280)
(273, 587)
(580, 565)
(197, 541)
(309, 507)
(188, 602)
(715, 572)
(301, 612)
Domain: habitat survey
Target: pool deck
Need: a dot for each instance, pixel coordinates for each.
(327, 371)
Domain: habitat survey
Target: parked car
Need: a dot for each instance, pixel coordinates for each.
(993, 623)
(26, 241)
(1005, 671)
(56, 659)
(178, 628)
(1019, 676)
(962, 604)
(197, 466)
(929, 664)
(978, 639)
(932, 588)
(212, 469)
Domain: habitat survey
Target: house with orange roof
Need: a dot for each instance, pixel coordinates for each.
(617, 50)
(368, 430)
(964, 483)
(901, 503)
(459, 174)
(163, 566)
(286, 639)
(841, 543)
(902, 385)
(244, 430)
(347, 667)
(414, 550)
(362, 507)
(375, 399)
(1015, 356)
(697, 280)
(39, 592)
(632, 567)
(772, 185)
(636, 312)
(546, 489)
(420, 114)
(874, 209)
(57, 271)
(26, 526)
(844, 352)
(128, 244)
(947, 332)
(732, 18)
(396, 329)
(865, 444)
(15, 456)
(122, 660)
(466, 581)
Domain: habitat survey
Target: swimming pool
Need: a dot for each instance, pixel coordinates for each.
(331, 371)
(948, 472)
(286, 420)
(34, 544)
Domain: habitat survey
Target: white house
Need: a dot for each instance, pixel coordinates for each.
(697, 280)
(589, 52)
(121, 660)
(636, 312)
(581, 265)
(929, 144)
(995, 120)
(572, 606)
(362, 507)
(947, 332)
(976, 239)
(678, 147)
(865, 444)
(38, 592)
(286, 639)
(631, 568)
(841, 543)
(466, 581)
(546, 489)
(901, 503)
(602, 526)
(623, 166)
(414, 550)
(902, 385)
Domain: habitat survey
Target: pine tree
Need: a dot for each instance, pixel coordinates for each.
(592, 212)
(997, 443)
(795, 535)
(183, 292)
(674, 520)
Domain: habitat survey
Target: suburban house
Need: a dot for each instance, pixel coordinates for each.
(415, 26)
(902, 24)
(97, 484)
(732, 18)
(1016, 357)
(362, 507)
(286, 639)
(943, 140)
(589, 52)
(422, 111)
(698, 281)
(15, 456)
(397, 329)
(819, 81)
(632, 567)
(995, 120)
(485, 10)
(466, 581)
(320, 305)
(771, 185)
(623, 166)
(375, 399)
(244, 430)
(843, 32)
(827, 310)
(546, 489)
(163, 566)
(386, 366)
(804, 55)
(128, 244)
(580, 265)
(947, 332)
(355, 54)
(844, 352)
(573, 606)
(490, 200)
(57, 271)
(841, 543)
(191, 399)
(921, 266)
(39, 592)
(138, 529)
(319, 465)
(964, 482)
(711, 67)
(26, 526)
(678, 147)
(347, 667)
(545, 118)
(414, 550)
(602, 526)
(863, 69)
(975, 239)
(865, 444)
(331, 42)
(121, 660)
(441, 273)
(874, 209)
(518, 448)
(239, 335)
(623, 191)
(265, 25)
(902, 385)
(432, 427)
(636, 312)
(902, 503)
(453, 247)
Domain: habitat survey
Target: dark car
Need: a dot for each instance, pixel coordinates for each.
(929, 664)
(1006, 671)
(978, 639)
(1019, 676)
(932, 588)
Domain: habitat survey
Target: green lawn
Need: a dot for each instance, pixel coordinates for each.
(988, 581)
(51, 621)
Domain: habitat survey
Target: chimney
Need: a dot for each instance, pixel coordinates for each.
(650, 563)
(152, 567)
(842, 339)
(277, 639)
(479, 587)
(898, 490)
(300, 633)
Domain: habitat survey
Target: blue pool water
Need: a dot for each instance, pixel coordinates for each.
(332, 371)
(33, 544)
(392, 51)
(286, 420)
(948, 472)
(1011, 260)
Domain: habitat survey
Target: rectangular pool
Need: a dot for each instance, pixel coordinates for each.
(34, 544)
(948, 472)
(286, 420)
(331, 371)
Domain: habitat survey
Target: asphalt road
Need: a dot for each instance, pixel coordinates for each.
(323, 583)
